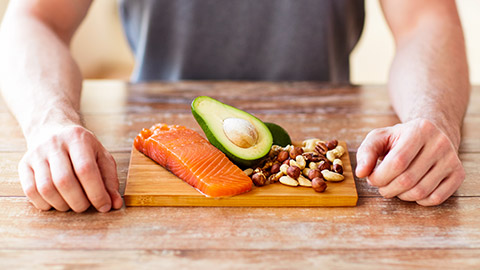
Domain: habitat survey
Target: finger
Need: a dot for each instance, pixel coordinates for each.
(442, 169)
(444, 190)
(424, 187)
(369, 151)
(86, 169)
(46, 188)
(414, 174)
(108, 169)
(66, 183)
(397, 160)
(27, 181)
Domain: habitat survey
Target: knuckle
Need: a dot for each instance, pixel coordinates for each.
(53, 140)
(442, 142)
(453, 161)
(77, 130)
(84, 167)
(426, 125)
(30, 191)
(79, 133)
(399, 163)
(29, 158)
(23, 163)
(406, 180)
(376, 132)
(418, 193)
(46, 189)
(63, 182)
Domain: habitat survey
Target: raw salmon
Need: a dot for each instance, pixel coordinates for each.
(192, 158)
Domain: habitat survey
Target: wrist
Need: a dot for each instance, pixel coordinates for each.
(47, 123)
(449, 128)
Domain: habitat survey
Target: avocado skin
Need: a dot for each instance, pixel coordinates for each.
(243, 163)
(275, 129)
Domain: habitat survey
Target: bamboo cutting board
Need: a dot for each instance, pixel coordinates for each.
(149, 184)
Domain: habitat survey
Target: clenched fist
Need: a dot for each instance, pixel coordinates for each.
(67, 168)
(420, 163)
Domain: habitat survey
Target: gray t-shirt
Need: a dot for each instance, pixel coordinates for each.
(242, 39)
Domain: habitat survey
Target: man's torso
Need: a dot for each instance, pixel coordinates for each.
(242, 39)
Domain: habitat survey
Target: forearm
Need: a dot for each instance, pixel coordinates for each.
(429, 77)
(39, 79)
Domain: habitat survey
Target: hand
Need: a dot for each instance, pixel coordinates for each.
(420, 163)
(67, 168)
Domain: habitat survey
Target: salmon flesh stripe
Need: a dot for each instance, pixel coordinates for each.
(192, 158)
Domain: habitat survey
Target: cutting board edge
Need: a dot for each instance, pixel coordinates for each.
(136, 199)
(267, 201)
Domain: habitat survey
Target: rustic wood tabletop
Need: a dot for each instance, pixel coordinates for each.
(376, 234)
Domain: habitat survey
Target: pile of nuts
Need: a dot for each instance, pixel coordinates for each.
(307, 166)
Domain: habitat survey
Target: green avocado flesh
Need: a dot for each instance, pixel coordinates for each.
(279, 134)
(241, 136)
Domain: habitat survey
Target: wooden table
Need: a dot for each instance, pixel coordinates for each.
(378, 233)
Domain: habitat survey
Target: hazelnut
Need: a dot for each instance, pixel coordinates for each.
(259, 179)
(295, 151)
(286, 161)
(282, 156)
(331, 144)
(294, 172)
(314, 174)
(338, 168)
(321, 148)
(318, 184)
(323, 165)
(275, 168)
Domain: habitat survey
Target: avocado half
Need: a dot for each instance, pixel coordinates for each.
(279, 134)
(241, 136)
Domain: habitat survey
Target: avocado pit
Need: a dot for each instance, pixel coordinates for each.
(240, 132)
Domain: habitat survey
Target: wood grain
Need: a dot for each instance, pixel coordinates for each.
(116, 111)
(149, 184)
(375, 223)
(9, 185)
(116, 131)
(242, 259)
(377, 234)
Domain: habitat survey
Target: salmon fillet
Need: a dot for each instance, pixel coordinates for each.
(192, 158)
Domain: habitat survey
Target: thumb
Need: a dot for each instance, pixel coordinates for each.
(108, 169)
(372, 148)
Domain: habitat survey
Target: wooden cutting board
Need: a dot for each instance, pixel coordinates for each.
(149, 184)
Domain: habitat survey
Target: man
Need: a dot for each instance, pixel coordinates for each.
(66, 167)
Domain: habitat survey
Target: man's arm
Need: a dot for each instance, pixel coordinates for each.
(65, 166)
(429, 89)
